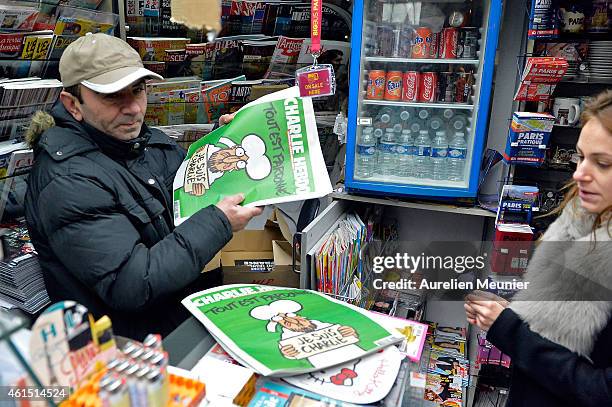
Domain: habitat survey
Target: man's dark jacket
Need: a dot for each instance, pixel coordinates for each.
(99, 212)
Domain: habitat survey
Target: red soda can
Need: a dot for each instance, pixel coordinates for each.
(434, 48)
(410, 88)
(376, 85)
(393, 86)
(428, 85)
(448, 43)
(421, 42)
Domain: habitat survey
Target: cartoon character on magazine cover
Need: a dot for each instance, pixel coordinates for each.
(362, 381)
(344, 376)
(322, 343)
(210, 162)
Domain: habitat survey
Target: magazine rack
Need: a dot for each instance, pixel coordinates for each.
(559, 163)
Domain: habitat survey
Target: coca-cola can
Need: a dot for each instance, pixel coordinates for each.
(428, 84)
(410, 88)
(393, 86)
(434, 49)
(448, 43)
(446, 87)
(468, 43)
(463, 86)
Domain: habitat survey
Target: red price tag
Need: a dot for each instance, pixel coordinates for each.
(316, 81)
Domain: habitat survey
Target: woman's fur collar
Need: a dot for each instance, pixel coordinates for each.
(562, 275)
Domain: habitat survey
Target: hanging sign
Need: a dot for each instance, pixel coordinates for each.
(316, 80)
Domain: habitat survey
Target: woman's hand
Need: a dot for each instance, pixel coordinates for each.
(483, 308)
(226, 118)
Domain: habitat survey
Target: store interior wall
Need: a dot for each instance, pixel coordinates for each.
(417, 224)
(512, 42)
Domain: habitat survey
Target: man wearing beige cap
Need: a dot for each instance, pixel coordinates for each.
(99, 201)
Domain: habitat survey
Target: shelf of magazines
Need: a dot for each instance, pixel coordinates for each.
(34, 34)
(189, 100)
(241, 18)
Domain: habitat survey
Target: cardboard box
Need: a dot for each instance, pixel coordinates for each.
(528, 138)
(257, 257)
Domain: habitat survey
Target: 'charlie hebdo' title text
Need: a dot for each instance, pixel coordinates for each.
(296, 141)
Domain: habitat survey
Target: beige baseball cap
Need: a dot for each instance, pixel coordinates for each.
(102, 63)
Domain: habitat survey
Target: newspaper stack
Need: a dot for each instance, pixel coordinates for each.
(306, 343)
(21, 280)
(279, 331)
(19, 99)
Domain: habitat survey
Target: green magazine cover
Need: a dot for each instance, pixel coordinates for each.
(270, 152)
(280, 331)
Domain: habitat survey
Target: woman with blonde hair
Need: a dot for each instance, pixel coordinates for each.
(558, 332)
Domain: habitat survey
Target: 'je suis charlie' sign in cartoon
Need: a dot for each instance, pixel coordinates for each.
(284, 331)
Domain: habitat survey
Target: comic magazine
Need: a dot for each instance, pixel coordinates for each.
(454, 333)
(448, 346)
(443, 390)
(270, 153)
(286, 331)
(454, 367)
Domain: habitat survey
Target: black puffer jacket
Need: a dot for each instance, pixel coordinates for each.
(100, 216)
(547, 374)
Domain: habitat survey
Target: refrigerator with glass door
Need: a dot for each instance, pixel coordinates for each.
(420, 89)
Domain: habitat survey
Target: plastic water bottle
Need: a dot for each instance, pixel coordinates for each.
(378, 133)
(435, 124)
(439, 151)
(448, 114)
(422, 158)
(423, 114)
(387, 153)
(457, 151)
(458, 123)
(384, 118)
(415, 127)
(405, 154)
(404, 118)
(365, 162)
